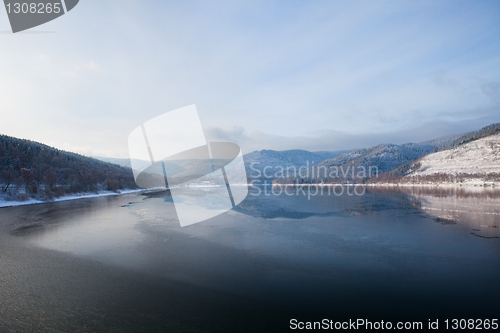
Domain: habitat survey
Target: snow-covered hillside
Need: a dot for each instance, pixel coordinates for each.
(480, 158)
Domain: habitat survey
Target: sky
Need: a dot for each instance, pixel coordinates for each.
(315, 75)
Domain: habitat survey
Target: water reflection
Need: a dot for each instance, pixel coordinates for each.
(264, 204)
(473, 207)
(343, 253)
(114, 228)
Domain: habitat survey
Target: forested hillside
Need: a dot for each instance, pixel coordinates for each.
(476, 162)
(472, 136)
(471, 157)
(361, 164)
(384, 162)
(32, 169)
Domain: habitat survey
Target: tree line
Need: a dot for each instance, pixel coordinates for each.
(472, 136)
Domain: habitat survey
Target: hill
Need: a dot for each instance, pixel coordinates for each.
(32, 169)
(472, 136)
(385, 156)
(440, 143)
(381, 162)
(477, 161)
(361, 164)
(256, 161)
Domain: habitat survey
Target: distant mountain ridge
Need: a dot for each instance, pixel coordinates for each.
(257, 161)
(443, 141)
(384, 157)
(473, 135)
(297, 157)
(42, 171)
(472, 158)
(366, 164)
(395, 160)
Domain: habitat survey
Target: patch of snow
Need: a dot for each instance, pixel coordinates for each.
(477, 157)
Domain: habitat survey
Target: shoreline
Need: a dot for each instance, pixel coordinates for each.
(5, 204)
(477, 186)
(463, 185)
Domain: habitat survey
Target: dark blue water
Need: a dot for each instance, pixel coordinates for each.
(125, 264)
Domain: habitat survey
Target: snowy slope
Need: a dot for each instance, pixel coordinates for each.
(477, 157)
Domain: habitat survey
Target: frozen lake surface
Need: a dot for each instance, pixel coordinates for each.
(124, 264)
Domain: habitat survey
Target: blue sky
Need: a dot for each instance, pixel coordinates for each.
(317, 75)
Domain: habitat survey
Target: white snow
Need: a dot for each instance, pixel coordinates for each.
(475, 209)
(477, 157)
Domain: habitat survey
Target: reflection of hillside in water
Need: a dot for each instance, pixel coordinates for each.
(300, 206)
(474, 207)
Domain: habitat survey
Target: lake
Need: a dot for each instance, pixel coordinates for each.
(124, 264)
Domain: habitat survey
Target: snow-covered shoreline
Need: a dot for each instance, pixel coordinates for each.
(466, 184)
(478, 184)
(5, 203)
(470, 185)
